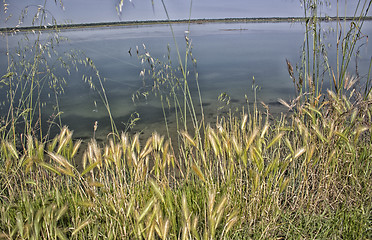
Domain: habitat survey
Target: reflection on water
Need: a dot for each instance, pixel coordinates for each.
(229, 56)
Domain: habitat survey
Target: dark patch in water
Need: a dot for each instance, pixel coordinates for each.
(150, 114)
(85, 138)
(274, 103)
(206, 104)
(83, 126)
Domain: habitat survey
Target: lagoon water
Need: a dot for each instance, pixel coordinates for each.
(228, 57)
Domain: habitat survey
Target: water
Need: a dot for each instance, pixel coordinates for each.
(229, 56)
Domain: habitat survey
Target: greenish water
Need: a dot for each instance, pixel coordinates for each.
(229, 56)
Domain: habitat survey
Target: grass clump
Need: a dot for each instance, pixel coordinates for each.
(306, 175)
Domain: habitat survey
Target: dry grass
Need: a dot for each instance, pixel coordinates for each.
(304, 175)
(249, 178)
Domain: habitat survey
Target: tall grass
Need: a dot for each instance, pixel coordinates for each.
(31, 85)
(315, 67)
(29, 71)
(171, 81)
(304, 175)
(255, 178)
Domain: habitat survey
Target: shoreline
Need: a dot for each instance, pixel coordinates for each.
(182, 21)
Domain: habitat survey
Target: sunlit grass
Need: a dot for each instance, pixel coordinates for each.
(305, 174)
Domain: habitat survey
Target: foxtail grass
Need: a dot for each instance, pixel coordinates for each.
(305, 174)
(254, 179)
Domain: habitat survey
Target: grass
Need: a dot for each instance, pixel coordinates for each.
(306, 174)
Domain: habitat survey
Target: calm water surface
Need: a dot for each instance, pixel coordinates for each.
(229, 56)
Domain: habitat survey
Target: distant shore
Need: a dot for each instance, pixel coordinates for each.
(192, 21)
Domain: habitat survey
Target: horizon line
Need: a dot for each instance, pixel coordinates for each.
(179, 21)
